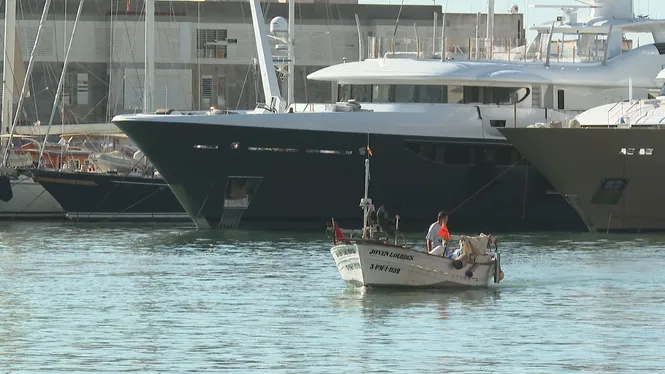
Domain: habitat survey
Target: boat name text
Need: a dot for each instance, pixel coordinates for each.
(387, 268)
(352, 266)
(398, 256)
(345, 251)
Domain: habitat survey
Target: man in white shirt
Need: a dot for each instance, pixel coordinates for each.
(434, 241)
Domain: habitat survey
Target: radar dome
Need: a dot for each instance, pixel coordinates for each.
(279, 25)
(514, 9)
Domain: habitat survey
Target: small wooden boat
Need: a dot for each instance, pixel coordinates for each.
(378, 259)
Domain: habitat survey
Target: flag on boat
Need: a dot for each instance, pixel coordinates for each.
(369, 150)
(338, 232)
(128, 4)
(444, 233)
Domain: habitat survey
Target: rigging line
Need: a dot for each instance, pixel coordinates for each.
(124, 177)
(31, 92)
(242, 88)
(95, 107)
(212, 186)
(113, 52)
(10, 64)
(198, 59)
(108, 194)
(131, 49)
(33, 201)
(138, 202)
(91, 73)
(249, 66)
(398, 15)
(488, 184)
(333, 86)
(107, 115)
(179, 79)
(302, 69)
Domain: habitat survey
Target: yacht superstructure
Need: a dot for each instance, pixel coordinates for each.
(606, 162)
(432, 125)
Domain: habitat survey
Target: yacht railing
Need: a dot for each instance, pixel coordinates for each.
(619, 108)
(614, 110)
(487, 49)
(455, 48)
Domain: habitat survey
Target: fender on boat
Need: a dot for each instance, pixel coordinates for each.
(6, 193)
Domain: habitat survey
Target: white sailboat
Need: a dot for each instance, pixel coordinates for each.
(20, 196)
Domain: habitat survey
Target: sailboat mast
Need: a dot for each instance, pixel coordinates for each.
(268, 76)
(291, 53)
(9, 58)
(61, 82)
(28, 73)
(149, 84)
(490, 28)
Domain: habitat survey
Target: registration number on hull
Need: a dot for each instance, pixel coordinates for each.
(387, 268)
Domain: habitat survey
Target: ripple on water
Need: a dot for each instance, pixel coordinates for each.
(165, 299)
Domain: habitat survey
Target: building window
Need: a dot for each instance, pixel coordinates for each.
(206, 91)
(211, 43)
(82, 88)
(68, 89)
(221, 91)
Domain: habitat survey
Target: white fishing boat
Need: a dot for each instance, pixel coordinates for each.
(378, 259)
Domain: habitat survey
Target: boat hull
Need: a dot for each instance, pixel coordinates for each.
(291, 173)
(111, 197)
(29, 200)
(578, 161)
(378, 265)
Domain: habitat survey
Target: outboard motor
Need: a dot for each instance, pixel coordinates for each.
(386, 223)
(6, 193)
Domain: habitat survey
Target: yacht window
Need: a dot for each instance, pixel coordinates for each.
(432, 94)
(506, 95)
(382, 93)
(488, 95)
(498, 155)
(466, 154)
(362, 93)
(472, 94)
(662, 91)
(405, 93)
(560, 99)
(343, 92)
(498, 122)
(455, 94)
(502, 95)
(458, 154)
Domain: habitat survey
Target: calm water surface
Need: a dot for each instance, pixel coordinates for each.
(168, 299)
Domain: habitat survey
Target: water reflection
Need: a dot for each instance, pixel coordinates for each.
(378, 303)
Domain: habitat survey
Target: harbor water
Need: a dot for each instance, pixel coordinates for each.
(90, 298)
